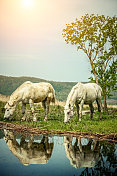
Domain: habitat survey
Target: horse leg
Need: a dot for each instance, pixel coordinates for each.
(32, 109)
(47, 109)
(91, 110)
(80, 145)
(45, 104)
(77, 108)
(99, 107)
(80, 111)
(94, 145)
(23, 111)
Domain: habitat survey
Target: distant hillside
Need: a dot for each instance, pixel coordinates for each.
(8, 84)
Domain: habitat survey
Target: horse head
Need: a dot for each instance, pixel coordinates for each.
(9, 110)
(68, 111)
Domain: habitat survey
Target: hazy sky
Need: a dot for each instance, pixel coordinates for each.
(31, 42)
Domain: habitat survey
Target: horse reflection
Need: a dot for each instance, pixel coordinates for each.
(29, 151)
(82, 155)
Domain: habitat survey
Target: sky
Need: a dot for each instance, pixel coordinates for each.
(31, 41)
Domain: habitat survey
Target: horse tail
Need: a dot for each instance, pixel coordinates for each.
(51, 94)
(99, 91)
(51, 97)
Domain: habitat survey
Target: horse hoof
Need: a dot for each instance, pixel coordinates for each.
(45, 119)
(22, 120)
(34, 120)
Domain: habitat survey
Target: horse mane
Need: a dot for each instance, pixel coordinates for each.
(69, 98)
(14, 95)
(21, 86)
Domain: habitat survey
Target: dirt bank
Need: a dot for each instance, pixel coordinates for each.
(4, 98)
(36, 131)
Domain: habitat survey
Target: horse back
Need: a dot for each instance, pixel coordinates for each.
(89, 92)
(93, 92)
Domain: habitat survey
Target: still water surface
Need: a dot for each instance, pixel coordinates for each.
(23, 155)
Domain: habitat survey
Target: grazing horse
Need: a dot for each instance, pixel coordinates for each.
(30, 93)
(83, 94)
(29, 151)
(80, 155)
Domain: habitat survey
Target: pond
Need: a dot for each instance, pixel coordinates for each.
(47, 155)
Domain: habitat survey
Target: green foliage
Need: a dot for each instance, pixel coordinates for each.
(90, 33)
(97, 37)
(2, 110)
(107, 76)
(8, 84)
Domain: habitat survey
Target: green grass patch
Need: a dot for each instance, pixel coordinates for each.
(55, 121)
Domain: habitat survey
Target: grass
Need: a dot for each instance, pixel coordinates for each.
(55, 121)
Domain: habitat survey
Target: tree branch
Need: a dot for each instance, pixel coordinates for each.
(105, 65)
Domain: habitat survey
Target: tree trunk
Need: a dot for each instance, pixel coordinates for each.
(93, 69)
(105, 103)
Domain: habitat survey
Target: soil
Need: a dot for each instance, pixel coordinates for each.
(21, 129)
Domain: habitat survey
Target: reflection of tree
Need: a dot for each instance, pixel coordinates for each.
(97, 158)
(81, 155)
(29, 151)
(108, 163)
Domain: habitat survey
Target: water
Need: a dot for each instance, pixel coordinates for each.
(49, 155)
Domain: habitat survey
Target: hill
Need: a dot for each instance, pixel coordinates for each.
(8, 84)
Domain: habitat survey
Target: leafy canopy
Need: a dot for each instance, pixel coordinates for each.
(97, 36)
(91, 33)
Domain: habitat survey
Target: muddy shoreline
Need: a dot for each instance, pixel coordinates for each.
(21, 129)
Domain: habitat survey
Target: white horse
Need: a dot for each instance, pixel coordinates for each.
(30, 93)
(83, 94)
(29, 151)
(80, 155)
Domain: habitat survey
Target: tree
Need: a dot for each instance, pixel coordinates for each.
(106, 64)
(97, 37)
(90, 34)
(107, 77)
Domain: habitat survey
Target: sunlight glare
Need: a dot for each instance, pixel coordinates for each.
(27, 3)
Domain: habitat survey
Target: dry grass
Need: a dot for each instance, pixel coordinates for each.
(4, 98)
(62, 103)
